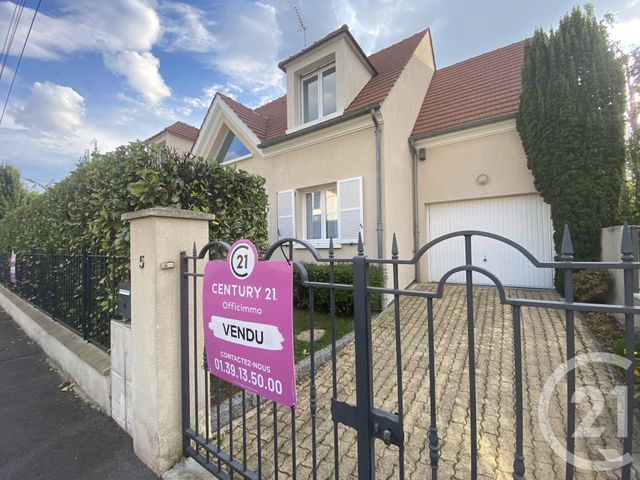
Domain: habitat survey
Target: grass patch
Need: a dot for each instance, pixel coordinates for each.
(322, 321)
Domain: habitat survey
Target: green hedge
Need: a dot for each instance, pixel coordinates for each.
(83, 210)
(343, 273)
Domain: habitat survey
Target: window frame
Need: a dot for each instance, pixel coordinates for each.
(318, 73)
(324, 240)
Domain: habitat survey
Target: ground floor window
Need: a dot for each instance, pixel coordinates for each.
(329, 211)
(321, 214)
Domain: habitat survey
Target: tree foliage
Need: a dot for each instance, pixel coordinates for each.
(83, 211)
(571, 122)
(12, 192)
(630, 201)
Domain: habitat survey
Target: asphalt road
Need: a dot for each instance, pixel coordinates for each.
(48, 433)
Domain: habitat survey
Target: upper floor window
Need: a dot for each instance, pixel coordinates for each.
(319, 93)
(231, 149)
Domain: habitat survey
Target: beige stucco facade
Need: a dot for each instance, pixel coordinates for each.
(399, 112)
(324, 156)
(320, 159)
(169, 140)
(352, 73)
(475, 163)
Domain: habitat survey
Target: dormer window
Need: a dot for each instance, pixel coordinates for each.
(319, 93)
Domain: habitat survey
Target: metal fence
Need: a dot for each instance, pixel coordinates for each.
(271, 441)
(79, 290)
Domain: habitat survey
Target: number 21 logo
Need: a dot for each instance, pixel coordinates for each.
(242, 261)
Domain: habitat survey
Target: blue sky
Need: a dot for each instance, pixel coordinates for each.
(117, 70)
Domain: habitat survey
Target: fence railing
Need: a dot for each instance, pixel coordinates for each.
(79, 290)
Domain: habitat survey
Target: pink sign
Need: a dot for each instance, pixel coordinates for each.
(248, 323)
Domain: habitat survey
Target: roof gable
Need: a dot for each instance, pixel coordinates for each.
(480, 89)
(269, 121)
(342, 31)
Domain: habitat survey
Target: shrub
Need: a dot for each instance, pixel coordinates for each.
(592, 286)
(83, 210)
(343, 273)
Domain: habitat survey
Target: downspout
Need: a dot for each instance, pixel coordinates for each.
(376, 123)
(414, 192)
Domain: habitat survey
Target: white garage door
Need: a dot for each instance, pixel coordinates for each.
(525, 219)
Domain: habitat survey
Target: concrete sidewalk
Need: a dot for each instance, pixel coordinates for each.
(47, 433)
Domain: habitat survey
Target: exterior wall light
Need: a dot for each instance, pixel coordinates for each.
(482, 179)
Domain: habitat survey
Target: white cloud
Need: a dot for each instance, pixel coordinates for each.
(51, 108)
(142, 73)
(7, 74)
(85, 25)
(122, 30)
(626, 33)
(186, 28)
(203, 101)
(244, 48)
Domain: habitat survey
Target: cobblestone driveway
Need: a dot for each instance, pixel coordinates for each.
(543, 338)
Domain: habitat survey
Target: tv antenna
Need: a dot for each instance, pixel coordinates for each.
(303, 27)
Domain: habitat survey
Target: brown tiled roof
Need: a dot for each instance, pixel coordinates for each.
(389, 63)
(276, 114)
(479, 89)
(182, 129)
(269, 121)
(256, 122)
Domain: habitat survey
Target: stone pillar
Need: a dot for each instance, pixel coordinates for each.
(158, 235)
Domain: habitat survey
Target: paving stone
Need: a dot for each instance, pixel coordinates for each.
(543, 350)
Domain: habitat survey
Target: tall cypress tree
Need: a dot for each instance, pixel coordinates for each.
(571, 122)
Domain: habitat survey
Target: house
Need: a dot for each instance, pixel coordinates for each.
(387, 143)
(179, 136)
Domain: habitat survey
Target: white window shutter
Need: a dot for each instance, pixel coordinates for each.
(286, 214)
(350, 207)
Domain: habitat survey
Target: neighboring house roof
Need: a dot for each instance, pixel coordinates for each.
(180, 129)
(477, 90)
(269, 122)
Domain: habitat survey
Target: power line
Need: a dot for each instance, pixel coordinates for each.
(13, 34)
(6, 38)
(15, 72)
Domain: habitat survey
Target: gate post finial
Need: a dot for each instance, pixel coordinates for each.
(360, 245)
(566, 250)
(331, 249)
(394, 247)
(626, 245)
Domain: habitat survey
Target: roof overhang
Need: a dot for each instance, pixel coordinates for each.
(342, 31)
(334, 121)
(464, 126)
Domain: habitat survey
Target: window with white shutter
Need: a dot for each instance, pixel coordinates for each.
(350, 220)
(286, 214)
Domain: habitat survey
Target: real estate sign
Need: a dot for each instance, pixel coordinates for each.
(248, 323)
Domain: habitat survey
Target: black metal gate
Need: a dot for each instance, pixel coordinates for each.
(239, 435)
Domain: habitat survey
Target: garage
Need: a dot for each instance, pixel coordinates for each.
(525, 219)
